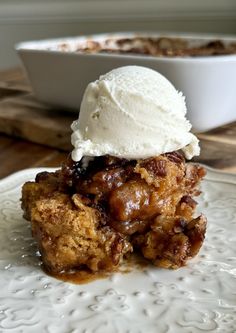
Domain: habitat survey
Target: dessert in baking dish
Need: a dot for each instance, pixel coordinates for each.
(126, 187)
(152, 46)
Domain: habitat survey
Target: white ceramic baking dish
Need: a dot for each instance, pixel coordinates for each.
(209, 83)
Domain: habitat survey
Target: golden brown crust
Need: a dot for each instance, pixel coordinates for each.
(171, 241)
(68, 235)
(160, 47)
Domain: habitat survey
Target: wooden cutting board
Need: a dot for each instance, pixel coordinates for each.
(22, 116)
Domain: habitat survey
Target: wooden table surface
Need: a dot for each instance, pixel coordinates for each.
(218, 146)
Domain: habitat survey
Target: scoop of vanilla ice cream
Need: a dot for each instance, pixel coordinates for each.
(132, 112)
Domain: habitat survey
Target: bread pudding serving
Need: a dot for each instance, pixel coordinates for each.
(126, 187)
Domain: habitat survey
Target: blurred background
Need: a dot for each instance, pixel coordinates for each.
(22, 20)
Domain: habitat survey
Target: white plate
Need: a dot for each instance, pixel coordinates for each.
(200, 297)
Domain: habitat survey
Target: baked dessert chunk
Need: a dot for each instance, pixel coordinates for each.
(93, 213)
